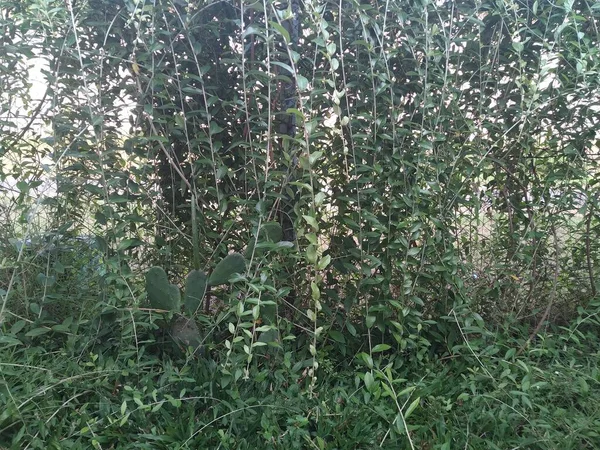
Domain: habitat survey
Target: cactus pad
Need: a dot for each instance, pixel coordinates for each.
(195, 287)
(161, 294)
(269, 232)
(185, 332)
(233, 263)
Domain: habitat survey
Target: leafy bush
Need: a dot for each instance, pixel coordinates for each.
(382, 217)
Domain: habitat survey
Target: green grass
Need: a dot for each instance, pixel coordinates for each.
(109, 384)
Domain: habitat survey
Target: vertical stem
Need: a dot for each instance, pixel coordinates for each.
(588, 225)
(195, 244)
(207, 300)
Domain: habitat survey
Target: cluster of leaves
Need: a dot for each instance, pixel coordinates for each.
(432, 138)
(442, 175)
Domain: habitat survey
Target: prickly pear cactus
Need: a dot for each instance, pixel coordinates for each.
(269, 232)
(161, 294)
(195, 287)
(272, 232)
(232, 263)
(185, 332)
(175, 298)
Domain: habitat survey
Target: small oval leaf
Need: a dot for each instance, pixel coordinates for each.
(380, 348)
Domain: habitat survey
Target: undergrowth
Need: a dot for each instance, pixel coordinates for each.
(99, 383)
(299, 224)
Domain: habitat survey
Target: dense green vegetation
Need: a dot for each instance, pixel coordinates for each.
(299, 225)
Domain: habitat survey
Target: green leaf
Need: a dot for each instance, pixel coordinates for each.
(281, 30)
(126, 244)
(324, 262)
(337, 336)
(312, 222)
(44, 280)
(311, 254)
(369, 381)
(59, 267)
(17, 327)
(215, 128)
(518, 46)
(380, 348)
(412, 407)
(315, 293)
(351, 329)
(10, 341)
(313, 158)
(370, 321)
(413, 251)
(302, 82)
(37, 332)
